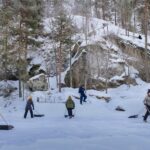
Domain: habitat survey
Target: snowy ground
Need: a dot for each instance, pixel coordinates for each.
(96, 124)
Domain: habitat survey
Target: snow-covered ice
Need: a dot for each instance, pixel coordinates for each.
(96, 124)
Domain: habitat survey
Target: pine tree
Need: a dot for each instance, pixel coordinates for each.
(29, 27)
(6, 44)
(62, 32)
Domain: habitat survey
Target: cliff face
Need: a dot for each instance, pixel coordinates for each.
(138, 54)
(103, 64)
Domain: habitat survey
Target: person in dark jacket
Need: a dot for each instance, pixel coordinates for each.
(140, 37)
(70, 105)
(29, 107)
(147, 105)
(83, 96)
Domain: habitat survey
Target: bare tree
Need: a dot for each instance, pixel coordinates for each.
(61, 34)
(146, 38)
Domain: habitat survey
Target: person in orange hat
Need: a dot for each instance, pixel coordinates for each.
(29, 107)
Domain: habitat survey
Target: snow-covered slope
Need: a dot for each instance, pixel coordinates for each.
(99, 32)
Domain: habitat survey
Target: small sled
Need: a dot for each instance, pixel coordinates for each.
(6, 127)
(133, 116)
(39, 115)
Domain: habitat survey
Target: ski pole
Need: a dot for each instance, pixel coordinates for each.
(89, 101)
(74, 111)
(65, 113)
(147, 109)
(3, 118)
(36, 111)
(141, 110)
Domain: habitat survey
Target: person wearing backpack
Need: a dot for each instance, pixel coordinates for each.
(83, 96)
(70, 105)
(29, 107)
(147, 105)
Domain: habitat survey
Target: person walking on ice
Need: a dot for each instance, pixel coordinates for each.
(29, 107)
(83, 96)
(147, 105)
(70, 105)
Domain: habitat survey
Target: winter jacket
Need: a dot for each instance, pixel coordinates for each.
(70, 103)
(29, 105)
(82, 90)
(147, 100)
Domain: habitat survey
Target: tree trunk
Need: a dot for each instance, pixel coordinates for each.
(56, 67)
(145, 31)
(115, 16)
(60, 66)
(103, 10)
(6, 52)
(23, 90)
(19, 65)
(70, 70)
(20, 89)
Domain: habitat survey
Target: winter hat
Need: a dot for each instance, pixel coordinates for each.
(69, 98)
(30, 98)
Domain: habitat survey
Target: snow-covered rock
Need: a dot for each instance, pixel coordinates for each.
(98, 66)
(119, 108)
(38, 83)
(6, 88)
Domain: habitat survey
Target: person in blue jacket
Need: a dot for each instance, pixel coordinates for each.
(29, 107)
(83, 96)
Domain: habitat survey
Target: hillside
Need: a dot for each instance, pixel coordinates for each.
(49, 48)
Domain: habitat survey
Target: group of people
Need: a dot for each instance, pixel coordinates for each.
(70, 105)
